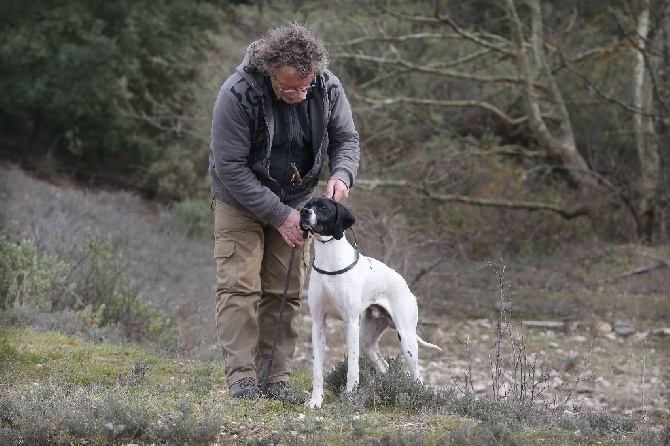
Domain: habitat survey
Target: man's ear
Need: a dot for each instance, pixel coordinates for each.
(345, 219)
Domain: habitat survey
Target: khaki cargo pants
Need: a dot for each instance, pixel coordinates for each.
(252, 262)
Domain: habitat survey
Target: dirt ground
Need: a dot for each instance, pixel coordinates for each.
(585, 366)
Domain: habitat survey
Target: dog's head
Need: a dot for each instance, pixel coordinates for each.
(325, 216)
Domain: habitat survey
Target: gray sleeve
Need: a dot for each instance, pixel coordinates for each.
(344, 147)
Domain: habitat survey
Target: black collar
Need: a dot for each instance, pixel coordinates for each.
(343, 270)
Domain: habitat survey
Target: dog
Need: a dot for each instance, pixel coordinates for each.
(367, 295)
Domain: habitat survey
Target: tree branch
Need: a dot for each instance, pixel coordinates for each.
(377, 103)
(479, 39)
(430, 69)
(577, 211)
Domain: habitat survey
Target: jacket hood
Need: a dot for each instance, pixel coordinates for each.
(249, 73)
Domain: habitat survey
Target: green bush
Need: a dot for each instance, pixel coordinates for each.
(190, 217)
(140, 320)
(94, 285)
(59, 414)
(28, 277)
(394, 388)
(104, 296)
(99, 90)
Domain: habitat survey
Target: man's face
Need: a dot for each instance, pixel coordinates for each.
(289, 86)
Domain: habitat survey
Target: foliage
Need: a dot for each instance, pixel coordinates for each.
(28, 277)
(96, 90)
(499, 420)
(108, 298)
(417, 77)
(34, 280)
(62, 390)
(392, 389)
(117, 402)
(190, 217)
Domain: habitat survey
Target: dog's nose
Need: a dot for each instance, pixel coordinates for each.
(304, 211)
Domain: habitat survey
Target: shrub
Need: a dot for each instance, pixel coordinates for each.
(394, 388)
(59, 414)
(93, 286)
(27, 277)
(192, 218)
(101, 89)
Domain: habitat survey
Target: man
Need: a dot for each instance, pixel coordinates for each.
(275, 121)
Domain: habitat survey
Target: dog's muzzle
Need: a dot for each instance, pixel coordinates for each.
(307, 219)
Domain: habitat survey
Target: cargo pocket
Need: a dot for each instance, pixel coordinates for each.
(226, 266)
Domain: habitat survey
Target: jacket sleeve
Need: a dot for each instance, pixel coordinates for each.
(230, 145)
(344, 147)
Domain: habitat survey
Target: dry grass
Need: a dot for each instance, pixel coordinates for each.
(590, 368)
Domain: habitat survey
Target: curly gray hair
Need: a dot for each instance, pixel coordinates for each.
(291, 45)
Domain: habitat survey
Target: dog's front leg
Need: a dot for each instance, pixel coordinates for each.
(353, 350)
(319, 349)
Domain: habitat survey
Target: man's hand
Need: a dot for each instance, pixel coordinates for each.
(337, 190)
(291, 230)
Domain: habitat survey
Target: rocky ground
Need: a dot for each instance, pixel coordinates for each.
(601, 365)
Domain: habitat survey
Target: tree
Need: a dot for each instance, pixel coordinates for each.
(70, 71)
(522, 74)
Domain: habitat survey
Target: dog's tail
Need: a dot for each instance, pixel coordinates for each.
(427, 344)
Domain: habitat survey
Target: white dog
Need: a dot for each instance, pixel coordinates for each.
(361, 291)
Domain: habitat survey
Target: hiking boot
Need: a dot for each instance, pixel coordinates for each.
(283, 391)
(244, 388)
(273, 390)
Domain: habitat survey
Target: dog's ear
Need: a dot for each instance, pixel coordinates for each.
(345, 219)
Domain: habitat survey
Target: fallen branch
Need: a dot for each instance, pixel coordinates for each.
(646, 269)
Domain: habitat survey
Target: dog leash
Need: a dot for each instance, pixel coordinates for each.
(281, 315)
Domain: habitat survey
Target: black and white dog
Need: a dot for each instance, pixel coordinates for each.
(361, 291)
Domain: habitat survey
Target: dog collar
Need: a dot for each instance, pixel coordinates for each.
(343, 270)
(339, 271)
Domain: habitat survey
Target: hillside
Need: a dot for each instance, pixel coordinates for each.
(607, 359)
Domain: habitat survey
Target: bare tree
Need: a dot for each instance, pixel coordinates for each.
(647, 144)
(663, 119)
(516, 65)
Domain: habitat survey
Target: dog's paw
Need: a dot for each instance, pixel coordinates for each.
(314, 403)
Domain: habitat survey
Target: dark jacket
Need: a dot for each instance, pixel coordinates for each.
(242, 131)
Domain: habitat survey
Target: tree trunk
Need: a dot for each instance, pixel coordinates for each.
(663, 127)
(561, 143)
(647, 144)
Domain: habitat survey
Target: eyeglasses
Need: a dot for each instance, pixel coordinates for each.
(293, 90)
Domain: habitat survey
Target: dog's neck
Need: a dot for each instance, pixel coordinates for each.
(329, 240)
(332, 254)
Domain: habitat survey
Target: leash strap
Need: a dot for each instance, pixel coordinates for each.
(281, 314)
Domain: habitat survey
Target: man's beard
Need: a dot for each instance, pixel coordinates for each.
(292, 101)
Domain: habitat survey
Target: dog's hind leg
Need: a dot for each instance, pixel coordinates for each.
(371, 330)
(410, 350)
(405, 323)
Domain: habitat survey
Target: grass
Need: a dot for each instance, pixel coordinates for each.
(63, 389)
(65, 378)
